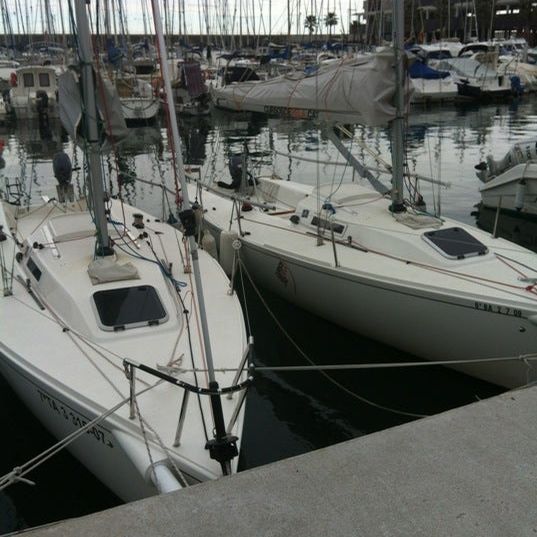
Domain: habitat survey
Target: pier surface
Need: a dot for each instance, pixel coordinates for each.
(471, 471)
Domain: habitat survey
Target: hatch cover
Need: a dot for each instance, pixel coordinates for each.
(455, 243)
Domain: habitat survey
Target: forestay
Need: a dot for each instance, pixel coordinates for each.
(360, 90)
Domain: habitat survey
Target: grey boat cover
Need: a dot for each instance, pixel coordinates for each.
(355, 90)
(108, 103)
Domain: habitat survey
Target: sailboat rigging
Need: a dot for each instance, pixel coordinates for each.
(115, 350)
(436, 288)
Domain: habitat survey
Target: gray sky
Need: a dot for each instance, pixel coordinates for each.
(255, 13)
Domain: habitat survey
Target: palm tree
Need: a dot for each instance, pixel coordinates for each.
(310, 22)
(330, 20)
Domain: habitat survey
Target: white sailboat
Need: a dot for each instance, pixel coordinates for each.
(369, 261)
(104, 330)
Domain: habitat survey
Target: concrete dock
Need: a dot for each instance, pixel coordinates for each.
(471, 471)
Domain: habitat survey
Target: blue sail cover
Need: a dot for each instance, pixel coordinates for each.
(420, 70)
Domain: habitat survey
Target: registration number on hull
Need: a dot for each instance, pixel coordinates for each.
(74, 418)
(494, 308)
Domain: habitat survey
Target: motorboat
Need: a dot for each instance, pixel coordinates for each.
(510, 184)
(33, 92)
(430, 85)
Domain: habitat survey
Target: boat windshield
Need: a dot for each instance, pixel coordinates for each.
(129, 307)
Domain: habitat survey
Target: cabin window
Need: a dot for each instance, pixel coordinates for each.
(34, 269)
(44, 80)
(28, 79)
(326, 224)
(129, 307)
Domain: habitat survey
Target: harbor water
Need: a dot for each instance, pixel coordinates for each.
(287, 413)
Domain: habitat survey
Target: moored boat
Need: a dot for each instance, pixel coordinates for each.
(107, 330)
(511, 182)
(33, 92)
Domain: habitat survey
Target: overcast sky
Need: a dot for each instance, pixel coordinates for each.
(254, 13)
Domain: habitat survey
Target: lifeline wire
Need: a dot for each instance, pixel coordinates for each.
(326, 375)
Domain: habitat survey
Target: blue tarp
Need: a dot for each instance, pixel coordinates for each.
(420, 70)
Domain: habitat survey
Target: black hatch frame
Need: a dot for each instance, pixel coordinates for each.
(455, 243)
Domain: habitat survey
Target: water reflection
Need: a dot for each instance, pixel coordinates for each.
(521, 229)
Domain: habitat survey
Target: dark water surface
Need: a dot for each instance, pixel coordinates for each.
(287, 413)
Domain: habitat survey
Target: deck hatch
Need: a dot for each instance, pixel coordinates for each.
(128, 307)
(455, 243)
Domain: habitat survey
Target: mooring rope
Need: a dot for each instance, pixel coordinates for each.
(18, 473)
(308, 359)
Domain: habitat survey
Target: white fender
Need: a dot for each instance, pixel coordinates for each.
(208, 243)
(227, 253)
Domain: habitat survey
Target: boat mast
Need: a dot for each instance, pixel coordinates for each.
(96, 191)
(222, 444)
(397, 205)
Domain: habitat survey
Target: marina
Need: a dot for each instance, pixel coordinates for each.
(214, 258)
(296, 413)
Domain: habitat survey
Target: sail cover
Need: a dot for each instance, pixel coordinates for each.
(70, 106)
(357, 90)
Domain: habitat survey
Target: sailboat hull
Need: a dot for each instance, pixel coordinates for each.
(68, 374)
(61, 415)
(428, 325)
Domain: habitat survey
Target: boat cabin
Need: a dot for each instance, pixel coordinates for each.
(33, 91)
(34, 78)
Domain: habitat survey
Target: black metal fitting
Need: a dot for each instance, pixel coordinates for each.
(188, 221)
(223, 449)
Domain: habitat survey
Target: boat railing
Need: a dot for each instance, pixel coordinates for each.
(131, 366)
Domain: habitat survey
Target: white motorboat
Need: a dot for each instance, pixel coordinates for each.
(511, 183)
(3, 112)
(430, 286)
(479, 79)
(106, 330)
(33, 92)
(430, 85)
